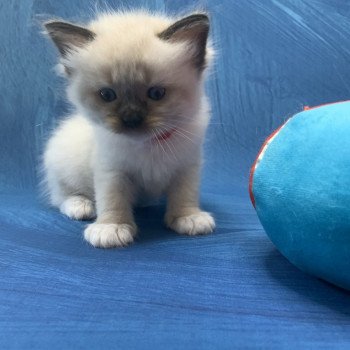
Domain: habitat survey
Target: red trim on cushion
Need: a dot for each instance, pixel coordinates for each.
(252, 170)
(307, 108)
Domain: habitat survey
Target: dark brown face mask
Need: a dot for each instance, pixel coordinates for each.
(132, 111)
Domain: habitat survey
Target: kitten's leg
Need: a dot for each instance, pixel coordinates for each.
(115, 224)
(183, 213)
(78, 208)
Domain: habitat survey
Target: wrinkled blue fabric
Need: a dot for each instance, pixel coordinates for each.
(301, 188)
(228, 290)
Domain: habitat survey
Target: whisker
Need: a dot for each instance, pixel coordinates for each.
(198, 122)
(185, 119)
(174, 126)
(180, 133)
(152, 149)
(167, 143)
(186, 131)
(160, 144)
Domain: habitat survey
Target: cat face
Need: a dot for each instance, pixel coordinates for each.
(134, 73)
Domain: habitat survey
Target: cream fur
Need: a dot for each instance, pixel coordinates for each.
(91, 171)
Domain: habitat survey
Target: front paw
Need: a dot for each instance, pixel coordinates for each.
(195, 224)
(110, 235)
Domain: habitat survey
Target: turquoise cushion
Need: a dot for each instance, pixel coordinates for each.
(301, 191)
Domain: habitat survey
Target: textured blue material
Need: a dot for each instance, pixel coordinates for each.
(301, 188)
(228, 290)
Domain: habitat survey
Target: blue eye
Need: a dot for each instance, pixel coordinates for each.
(108, 94)
(156, 93)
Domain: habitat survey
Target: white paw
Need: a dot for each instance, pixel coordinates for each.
(109, 235)
(78, 208)
(195, 224)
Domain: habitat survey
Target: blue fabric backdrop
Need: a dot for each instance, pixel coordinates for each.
(227, 290)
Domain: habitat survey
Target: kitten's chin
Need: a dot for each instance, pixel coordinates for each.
(145, 136)
(137, 136)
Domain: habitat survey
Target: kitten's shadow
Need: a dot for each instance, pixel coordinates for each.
(150, 221)
(151, 226)
(309, 287)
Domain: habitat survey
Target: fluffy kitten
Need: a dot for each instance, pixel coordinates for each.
(136, 81)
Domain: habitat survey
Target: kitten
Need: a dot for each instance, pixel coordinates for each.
(136, 81)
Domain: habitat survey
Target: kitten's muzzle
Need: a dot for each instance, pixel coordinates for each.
(132, 120)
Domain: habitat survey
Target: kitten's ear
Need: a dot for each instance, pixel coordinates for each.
(68, 36)
(193, 29)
